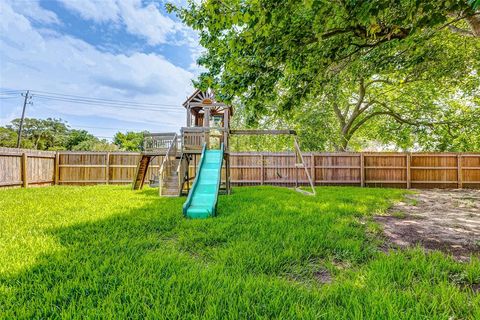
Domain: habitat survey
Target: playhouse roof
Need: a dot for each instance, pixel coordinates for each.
(199, 96)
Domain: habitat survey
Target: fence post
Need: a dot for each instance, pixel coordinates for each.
(56, 168)
(312, 168)
(262, 170)
(459, 171)
(296, 174)
(24, 170)
(409, 179)
(362, 169)
(107, 167)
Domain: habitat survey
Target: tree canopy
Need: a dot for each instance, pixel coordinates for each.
(342, 71)
(55, 134)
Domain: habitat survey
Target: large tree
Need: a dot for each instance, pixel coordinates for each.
(358, 61)
(41, 134)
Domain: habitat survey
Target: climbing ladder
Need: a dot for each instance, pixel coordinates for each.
(142, 171)
(165, 145)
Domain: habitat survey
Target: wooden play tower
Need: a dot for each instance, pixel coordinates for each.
(207, 123)
(207, 126)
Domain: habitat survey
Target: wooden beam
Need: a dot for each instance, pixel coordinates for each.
(459, 171)
(362, 170)
(24, 170)
(160, 134)
(128, 166)
(10, 183)
(227, 173)
(107, 168)
(206, 118)
(215, 104)
(435, 181)
(312, 167)
(409, 174)
(83, 166)
(434, 168)
(262, 169)
(262, 132)
(57, 168)
(385, 181)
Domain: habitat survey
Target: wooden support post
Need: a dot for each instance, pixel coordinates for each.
(56, 177)
(296, 173)
(262, 169)
(206, 137)
(107, 167)
(409, 178)
(312, 168)
(227, 173)
(206, 117)
(459, 171)
(362, 170)
(24, 170)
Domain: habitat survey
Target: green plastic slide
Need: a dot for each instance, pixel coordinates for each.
(202, 198)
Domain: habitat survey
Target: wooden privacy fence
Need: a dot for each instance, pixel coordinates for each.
(22, 167)
(371, 169)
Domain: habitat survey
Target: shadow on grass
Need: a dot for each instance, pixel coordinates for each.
(150, 262)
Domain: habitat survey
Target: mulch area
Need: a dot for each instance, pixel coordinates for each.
(446, 220)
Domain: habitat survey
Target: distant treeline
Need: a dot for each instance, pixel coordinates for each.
(56, 134)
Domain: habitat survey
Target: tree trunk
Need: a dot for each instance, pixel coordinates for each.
(474, 23)
(344, 144)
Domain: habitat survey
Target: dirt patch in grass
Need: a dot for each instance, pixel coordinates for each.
(323, 276)
(475, 287)
(446, 220)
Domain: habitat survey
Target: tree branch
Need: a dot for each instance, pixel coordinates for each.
(463, 32)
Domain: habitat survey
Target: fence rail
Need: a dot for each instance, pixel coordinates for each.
(23, 168)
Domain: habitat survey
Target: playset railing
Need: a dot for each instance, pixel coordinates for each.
(158, 141)
(168, 162)
(193, 138)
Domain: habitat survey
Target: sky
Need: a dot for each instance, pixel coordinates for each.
(101, 65)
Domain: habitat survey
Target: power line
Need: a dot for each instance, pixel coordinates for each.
(110, 106)
(158, 122)
(10, 91)
(103, 103)
(73, 126)
(121, 104)
(70, 96)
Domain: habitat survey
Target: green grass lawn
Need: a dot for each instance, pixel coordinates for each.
(109, 252)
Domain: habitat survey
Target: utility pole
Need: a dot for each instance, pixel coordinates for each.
(20, 127)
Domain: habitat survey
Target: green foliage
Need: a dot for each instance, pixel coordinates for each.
(308, 59)
(51, 134)
(8, 138)
(105, 251)
(77, 137)
(129, 141)
(475, 4)
(55, 134)
(41, 134)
